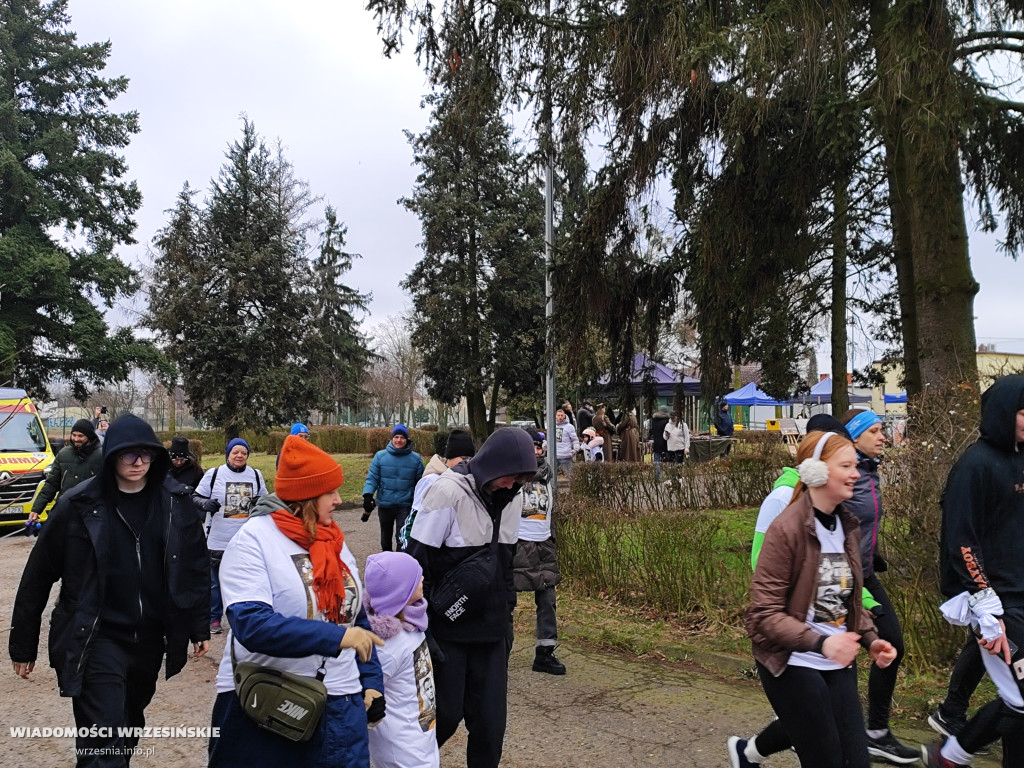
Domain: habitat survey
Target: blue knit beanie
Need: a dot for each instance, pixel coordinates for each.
(233, 443)
(400, 430)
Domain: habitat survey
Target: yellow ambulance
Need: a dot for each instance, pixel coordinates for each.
(25, 455)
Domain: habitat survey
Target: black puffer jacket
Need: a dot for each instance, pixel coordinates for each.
(71, 467)
(74, 548)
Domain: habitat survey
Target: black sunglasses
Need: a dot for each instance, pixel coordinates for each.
(131, 457)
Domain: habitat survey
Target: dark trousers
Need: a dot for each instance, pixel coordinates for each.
(472, 685)
(117, 686)
(996, 719)
(963, 680)
(216, 604)
(882, 682)
(821, 713)
(340, 741)
(547, 623)
(391, 521)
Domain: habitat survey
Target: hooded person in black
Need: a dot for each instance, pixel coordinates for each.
(982, 564)
(456, 521)
(131, 557)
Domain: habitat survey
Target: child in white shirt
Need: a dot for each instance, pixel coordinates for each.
(398, 614)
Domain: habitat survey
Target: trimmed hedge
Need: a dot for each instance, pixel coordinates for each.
(737, 481)
(331, 439)
(212, 440)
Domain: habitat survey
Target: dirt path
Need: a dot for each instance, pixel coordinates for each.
(609, 710)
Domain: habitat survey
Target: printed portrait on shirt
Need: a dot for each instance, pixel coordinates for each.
(835, 585)
(425, 693)
(350, 607)
(238, 499)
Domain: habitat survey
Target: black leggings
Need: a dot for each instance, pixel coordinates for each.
(963, 680)
(821, 714)
(882, 682)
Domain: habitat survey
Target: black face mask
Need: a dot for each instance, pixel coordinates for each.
(501, 497)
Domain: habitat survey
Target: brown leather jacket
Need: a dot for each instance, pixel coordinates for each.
(786, 580)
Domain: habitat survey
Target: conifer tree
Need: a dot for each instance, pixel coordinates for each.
(478, 290)
(336, 350)
(230, 292)
(65, 204)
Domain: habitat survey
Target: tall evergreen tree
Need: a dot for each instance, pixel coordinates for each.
(65, 205)
(229, 292)
(478, 290)
(336, 350)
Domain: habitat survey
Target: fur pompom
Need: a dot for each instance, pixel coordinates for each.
(813, 472)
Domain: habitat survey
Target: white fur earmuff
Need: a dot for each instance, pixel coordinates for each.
(813, 471)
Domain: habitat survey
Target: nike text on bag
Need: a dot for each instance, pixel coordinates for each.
(284, 703)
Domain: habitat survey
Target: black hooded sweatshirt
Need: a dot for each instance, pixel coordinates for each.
(83, 546)
(132, 609)
(983, 504)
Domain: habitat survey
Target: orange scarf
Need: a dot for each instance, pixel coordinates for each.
(329, 570)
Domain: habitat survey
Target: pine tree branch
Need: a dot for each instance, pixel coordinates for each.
(1002, 33)
(1012, 106)
(989, 48)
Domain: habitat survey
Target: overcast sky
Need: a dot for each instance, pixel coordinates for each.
(311, 73)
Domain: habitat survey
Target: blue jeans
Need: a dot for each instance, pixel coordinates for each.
(547, 623)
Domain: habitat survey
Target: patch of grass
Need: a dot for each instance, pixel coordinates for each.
(723, 650)
(353, 465)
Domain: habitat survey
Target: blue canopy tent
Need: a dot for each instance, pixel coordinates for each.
(899, 397)
(821, 393)
(751, 395)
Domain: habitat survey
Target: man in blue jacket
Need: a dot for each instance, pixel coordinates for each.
(393, 475)
(129, 552)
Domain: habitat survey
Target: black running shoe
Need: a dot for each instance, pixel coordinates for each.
(947, 726)
(889, 748)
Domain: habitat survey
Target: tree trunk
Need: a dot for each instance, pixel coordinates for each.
(172, 420)
(495, 389)
(840, 390)
(476, 413)
(919, 111)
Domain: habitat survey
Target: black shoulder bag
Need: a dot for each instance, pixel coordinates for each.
(465, 587)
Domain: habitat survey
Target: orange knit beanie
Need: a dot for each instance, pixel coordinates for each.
(305, 472)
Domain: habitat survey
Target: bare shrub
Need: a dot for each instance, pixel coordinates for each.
(671, 562)
(942, 423)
